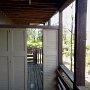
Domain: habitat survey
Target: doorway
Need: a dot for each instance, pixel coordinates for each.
(35, 59)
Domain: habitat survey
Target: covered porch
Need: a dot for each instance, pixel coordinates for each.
(48, 73)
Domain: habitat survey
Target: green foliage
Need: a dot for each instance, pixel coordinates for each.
(35, 44)
(88, 54)
(88, 47)
(88, 59)
(67, 43)
(34, 38)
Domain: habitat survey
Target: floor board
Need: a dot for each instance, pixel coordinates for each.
(35, 76)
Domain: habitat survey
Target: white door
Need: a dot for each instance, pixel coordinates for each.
(13, 63)
(50, 58)
(4, 60)
(18, 59)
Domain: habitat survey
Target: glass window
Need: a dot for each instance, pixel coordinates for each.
(55, 20)
(68, 36)
(87, 72)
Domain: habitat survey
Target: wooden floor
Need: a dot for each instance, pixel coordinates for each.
(35, 76)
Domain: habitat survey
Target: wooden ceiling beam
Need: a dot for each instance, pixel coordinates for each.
(30, 26)
(29, 9)
(28, 18)
(37, 2)
(32, 20)
(33, 1)
(33, 17)
(28, 12)
(21, 12)
(25, 4)
(28, 22)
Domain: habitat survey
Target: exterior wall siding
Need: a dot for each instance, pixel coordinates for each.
(49, 59)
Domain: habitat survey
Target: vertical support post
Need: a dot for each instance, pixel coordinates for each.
(60, 39)
(35, 56)
(40, 56)
(80, 43)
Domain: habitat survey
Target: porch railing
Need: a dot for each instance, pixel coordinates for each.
(35, 55)
(65, 79)
(39, 55)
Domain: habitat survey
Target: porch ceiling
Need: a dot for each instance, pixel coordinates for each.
(21, 12)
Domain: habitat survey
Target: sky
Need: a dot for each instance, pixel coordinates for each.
(88, 16)
(67, 18)
(88, 22)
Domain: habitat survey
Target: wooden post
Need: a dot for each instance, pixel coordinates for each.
(35, 56)
(60, 39)
(40, 55)
(80, 43)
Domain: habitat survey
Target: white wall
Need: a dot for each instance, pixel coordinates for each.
(50, 59)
